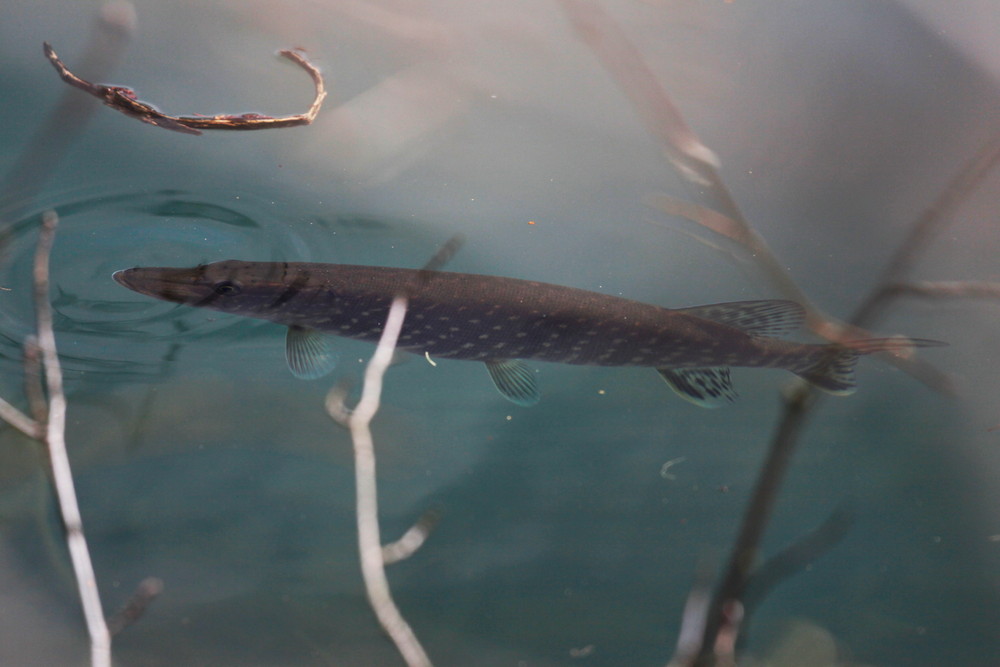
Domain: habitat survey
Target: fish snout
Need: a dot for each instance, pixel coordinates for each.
(120, 277)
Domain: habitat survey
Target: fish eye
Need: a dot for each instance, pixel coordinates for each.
(226, 288)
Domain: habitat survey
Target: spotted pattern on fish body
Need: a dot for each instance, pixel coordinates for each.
(500, 320)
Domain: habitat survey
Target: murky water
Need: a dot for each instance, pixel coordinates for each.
(564, 539)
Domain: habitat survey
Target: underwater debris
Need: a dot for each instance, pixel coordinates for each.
(125, 100)
(147, 591)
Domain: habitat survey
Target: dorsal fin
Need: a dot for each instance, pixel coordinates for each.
(768, 317)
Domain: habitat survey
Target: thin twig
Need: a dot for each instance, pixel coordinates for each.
(33, 389)
(62, 475)
(336, 404)
(20, 421)
(147, 591)
(757, 516)
(412, 539)
(693, 620)
(125, 100)
(685, 150)
(795, 557)
(929, 226)
(374, 557)
(943, 289)
(369, 540)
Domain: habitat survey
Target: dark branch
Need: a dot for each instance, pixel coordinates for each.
(126, 101)
(757, 516)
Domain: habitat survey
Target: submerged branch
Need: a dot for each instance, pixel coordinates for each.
(945, 289)
(800, 400)
(369, 540)
(20, 421)
(144, 594)
(795, 557)
(33, 389)
(374, 556)
(336, 404)
(928, 226)
(756, 518)
(693, 620)
(698, 166)
(695, 162)
(62, 474)
(125, 100)
(412, 539)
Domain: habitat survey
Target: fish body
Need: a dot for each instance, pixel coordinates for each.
(499, 320)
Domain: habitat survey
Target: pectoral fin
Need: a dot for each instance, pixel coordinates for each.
(514, 380)
(705, 387)
(309, 353)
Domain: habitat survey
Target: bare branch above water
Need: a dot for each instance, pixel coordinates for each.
(126, 101)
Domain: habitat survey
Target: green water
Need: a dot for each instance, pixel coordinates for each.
(201, 461)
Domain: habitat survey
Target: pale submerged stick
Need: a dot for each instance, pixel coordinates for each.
(369, 539)
(54, 438)
(374, 557)
(49, 428)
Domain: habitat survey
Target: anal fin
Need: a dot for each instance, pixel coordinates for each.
(309, 353)
(705, 387)
(514, 380)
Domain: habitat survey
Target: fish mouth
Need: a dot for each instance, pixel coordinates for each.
(137, 280)
(178, 285)
(121, 277)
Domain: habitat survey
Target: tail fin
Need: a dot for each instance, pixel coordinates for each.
(833, 372)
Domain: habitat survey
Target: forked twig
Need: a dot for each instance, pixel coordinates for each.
(694, 162)
(369, 540)
(62, 475)
(21, 421)
(412, 539)
(698, 166)
(125, 100)
(801, 398)
(756, 517)
(374, 556)
(927, 227)
(49, 428)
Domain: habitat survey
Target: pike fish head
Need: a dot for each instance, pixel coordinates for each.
(230, 286)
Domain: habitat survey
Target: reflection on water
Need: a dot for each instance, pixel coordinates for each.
(200, 460)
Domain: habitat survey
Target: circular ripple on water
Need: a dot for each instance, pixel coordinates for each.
(103, 327)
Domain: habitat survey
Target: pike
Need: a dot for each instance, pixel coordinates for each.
(502, 321)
